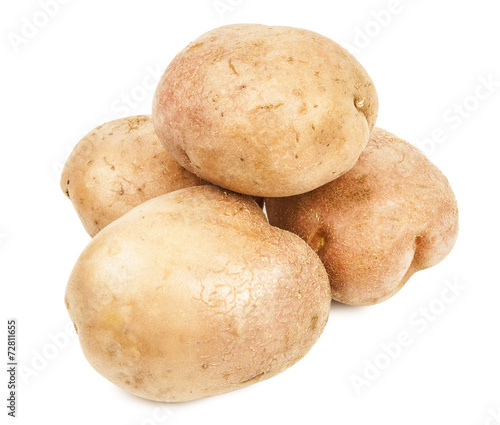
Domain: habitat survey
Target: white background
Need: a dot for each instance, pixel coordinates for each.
(73, 71)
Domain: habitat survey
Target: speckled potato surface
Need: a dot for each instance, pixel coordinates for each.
(193, 294)
(117, 166)
(393, 214)
(265, 111)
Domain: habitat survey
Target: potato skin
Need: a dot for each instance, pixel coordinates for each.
(193, 294)
(117, 166)
(265, 111)
(390, 216)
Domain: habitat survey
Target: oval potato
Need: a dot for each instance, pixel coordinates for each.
(265, 111)
(117, 166)
(193, 294)
(393, 214)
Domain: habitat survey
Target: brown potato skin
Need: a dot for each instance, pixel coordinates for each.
(390, 216)
(117, 166)
(265, 111)
(194, 294)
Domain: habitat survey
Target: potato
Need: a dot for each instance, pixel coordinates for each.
(393, 214)
(193, 294)
(265, 111)
(117, 166)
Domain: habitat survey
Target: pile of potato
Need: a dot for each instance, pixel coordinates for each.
(186, 289)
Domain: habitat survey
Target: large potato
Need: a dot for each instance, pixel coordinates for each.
(117, 166)
(266, 111)
(393, 214)
(193, 294)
